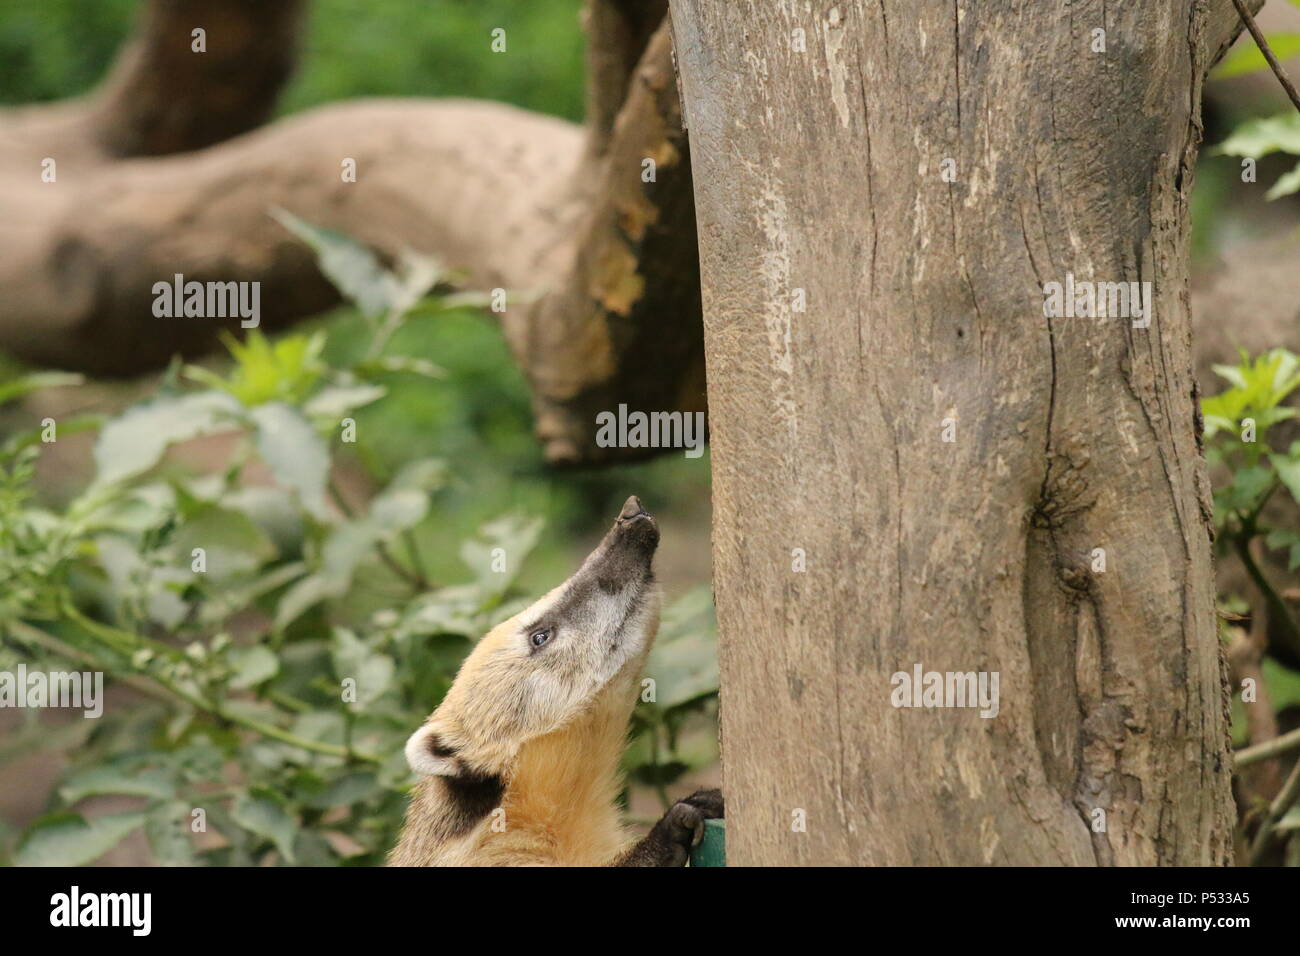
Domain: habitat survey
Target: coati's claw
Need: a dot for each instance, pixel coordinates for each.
(708, 802)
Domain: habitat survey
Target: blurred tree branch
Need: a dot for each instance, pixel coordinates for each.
(517, 200)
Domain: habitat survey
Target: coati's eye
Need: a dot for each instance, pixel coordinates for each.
(540, 636)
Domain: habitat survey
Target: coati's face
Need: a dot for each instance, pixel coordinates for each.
(538, 671)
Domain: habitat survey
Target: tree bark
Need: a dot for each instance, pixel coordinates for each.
(161, 95)
(620, 320)
(164, 97)
(820, 174)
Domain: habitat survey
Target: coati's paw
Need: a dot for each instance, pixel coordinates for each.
(682, 827)
(670, 841)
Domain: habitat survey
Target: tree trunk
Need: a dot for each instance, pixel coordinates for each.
(820, 176)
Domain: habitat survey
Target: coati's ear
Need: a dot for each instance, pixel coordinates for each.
(428, 753)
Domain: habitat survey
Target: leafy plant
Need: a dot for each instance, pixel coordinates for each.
(1257, 138)
(1238, 424)
(274, 714)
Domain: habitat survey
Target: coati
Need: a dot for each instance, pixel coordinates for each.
(520, 762)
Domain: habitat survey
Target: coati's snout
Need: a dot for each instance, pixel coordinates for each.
(538, 671)
(623, 558)
(600, 608)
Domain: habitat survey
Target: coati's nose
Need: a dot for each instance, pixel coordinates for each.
(635, 532)
(632, 509)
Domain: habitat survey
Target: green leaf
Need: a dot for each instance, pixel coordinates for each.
(1259, 137)
(402, 363)
(335, 401)
(1288, 469)
(304, 595)
(312, 849)
(166, 827)
(405, 502)
(265, 372)
(1259, 386)
(422, 474)
(353, 658)
(296, 455)
(252, 665)
(1246, 57)
(1290, 540)
(134, 442)
(348, 544)
(155, 783)
(402, 505)
(123, 565)
(398, 510)
(68, 839)
(1286, 184)
(261, 811)
(26, 384)
(233, 544)
(271, 509)
(1283, 685)
(416, 275)
(352, 268)
(451, 610)
(346, 790)
(684, 660)
(515, 535)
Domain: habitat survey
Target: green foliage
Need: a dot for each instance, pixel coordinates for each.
(441, 48)
(286, 371)
(351, 48)
(1263, 136)
(58, 48)
(1238, 423)
(288, 638)
(684, 666)
(1246, 57)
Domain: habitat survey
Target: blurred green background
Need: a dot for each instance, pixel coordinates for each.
(57, 48)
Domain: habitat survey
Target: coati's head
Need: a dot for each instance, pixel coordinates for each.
(543, 668)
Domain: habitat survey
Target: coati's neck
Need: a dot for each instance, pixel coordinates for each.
(555, 804)
(565, 785)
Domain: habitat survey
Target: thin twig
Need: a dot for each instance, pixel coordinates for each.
(1268, 750)
(166, 689)
(49, 642)
(1265, 49)
(1245, 653)
(1276, 811)
(1277, 607)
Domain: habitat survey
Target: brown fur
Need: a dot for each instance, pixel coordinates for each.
(547, 726)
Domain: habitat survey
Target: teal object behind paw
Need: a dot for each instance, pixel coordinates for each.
(712, 850)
